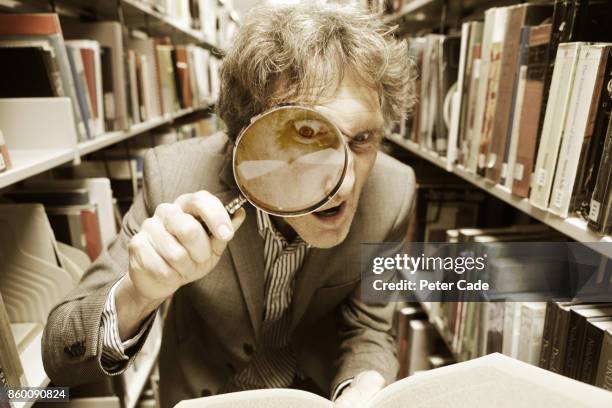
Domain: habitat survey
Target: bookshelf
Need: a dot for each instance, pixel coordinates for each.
(111, 138)
(30, 162)
(32, 154)
(137, 14)
(573, 227)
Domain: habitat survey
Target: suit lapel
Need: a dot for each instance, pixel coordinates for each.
(307, 281)
(246, 249)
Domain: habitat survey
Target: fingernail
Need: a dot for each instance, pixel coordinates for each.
(224, 232)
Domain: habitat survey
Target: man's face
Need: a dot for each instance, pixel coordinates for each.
(356, 112)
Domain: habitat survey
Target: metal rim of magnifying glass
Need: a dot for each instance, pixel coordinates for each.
(313, 207)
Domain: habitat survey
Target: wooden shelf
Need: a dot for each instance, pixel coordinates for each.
(574, 227)
(30, 162)
(27, 163)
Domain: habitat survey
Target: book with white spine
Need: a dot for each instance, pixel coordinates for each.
(579, 124)
(554, 123)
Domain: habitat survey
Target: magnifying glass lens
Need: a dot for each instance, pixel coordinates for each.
(290, 160)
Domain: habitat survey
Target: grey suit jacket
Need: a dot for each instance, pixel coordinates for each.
(212, 327)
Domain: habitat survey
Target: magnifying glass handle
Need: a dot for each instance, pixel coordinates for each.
(230, 207)
(235, 204)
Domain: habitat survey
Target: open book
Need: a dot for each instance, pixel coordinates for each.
(491, 381)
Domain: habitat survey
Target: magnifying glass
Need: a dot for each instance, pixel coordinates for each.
(289, 161)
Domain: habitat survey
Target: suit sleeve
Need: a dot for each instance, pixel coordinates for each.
(73, 336)
(366, 337)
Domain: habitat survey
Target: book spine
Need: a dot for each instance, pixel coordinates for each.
(578, 126)
(476, 161)
(539, 44)
(556, 113)
(54, 73)
(604, 368)
(592, 345)
(589, 163)
(509, 66)
(599, 204)
(559, 343)
(559, 25)
(511, 140)
(492, 87)
(549, 320)
(575, 331)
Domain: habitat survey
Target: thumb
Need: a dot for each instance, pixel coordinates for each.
(218, 246)
(361, 390)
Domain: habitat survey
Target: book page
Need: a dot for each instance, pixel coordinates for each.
(269, 398)
(491, 381)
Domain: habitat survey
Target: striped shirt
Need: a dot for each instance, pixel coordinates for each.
(274, 364)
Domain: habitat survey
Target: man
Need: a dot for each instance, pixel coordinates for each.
(260, 301)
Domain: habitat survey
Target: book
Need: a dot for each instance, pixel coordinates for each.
(604, 368)
(109, 35)
(134, 94)
(91, 55)
(468, 87)
(108, 97)
(169, 94)
(518, 93)
(487, 381)
(576, 332)
(149, 75)
(591, 352)
(592, 149)
(492, 84)
(32, 71)
(5, 158)
(82, 90)
(556, 114)
(593, 66)
(599, 219)
(475, 159)
(46, 26)
(181, 68)
(539, 44)
(531, 329)
(499, 107)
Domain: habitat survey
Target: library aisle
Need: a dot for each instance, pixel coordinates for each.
(494, 163)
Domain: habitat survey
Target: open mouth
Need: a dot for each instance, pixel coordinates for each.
(331, 212)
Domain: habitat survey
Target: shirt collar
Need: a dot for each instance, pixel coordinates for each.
(265, 226)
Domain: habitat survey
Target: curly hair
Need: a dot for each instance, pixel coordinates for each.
(292, 53)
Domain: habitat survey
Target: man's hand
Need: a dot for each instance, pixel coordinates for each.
(361, 390)
(171, 250)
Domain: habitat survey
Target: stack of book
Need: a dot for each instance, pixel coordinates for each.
(524, 101)
(158, 79)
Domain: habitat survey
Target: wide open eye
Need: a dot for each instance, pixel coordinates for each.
(308, 129)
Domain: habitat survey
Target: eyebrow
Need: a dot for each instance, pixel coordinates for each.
(376, 130)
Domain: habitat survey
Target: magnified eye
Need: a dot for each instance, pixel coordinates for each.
(308, 129)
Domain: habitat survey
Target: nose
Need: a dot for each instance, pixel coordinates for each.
(349, 179)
